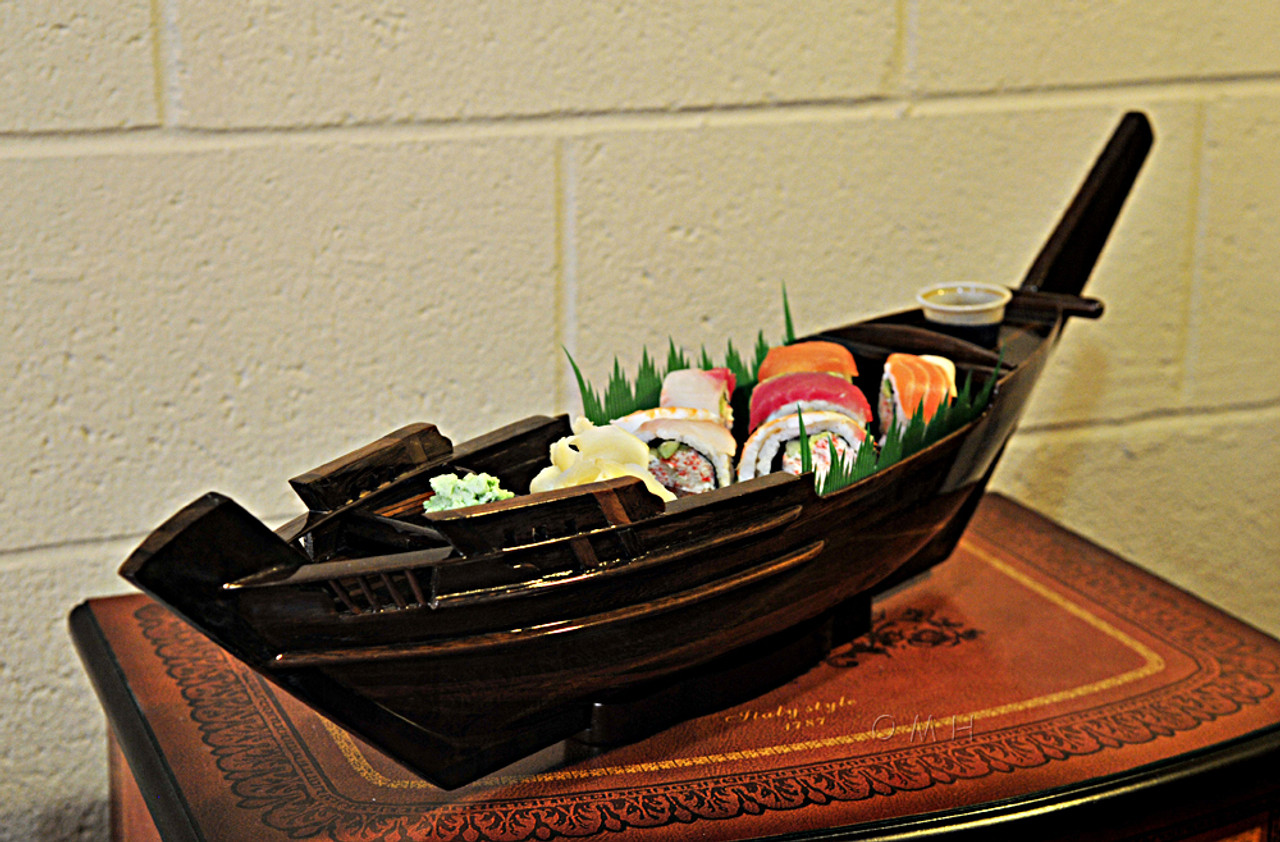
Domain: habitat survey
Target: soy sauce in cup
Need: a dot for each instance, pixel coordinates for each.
(967, 311)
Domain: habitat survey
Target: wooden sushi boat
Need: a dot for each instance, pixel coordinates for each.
(460, 641)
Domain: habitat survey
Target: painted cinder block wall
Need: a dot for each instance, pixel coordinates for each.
(238, 239)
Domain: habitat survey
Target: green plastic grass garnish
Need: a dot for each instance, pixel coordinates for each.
(734, 362)
(786, 312)
(762, 351)
(806, 448)
(622, 397)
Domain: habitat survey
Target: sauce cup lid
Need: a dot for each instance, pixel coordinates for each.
(964, 304)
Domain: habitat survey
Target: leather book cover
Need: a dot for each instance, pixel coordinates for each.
(1029, 662)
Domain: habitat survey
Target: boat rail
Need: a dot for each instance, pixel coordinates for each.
(435, 578)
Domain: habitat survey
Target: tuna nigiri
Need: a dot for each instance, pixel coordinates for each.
(808, 390)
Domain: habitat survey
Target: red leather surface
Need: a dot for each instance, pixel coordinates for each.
(1029, 660)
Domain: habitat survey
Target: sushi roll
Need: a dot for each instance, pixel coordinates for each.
(807, 391)
(910, 383)
(775, 445)
(813, 379)
(690, 447)
(808, 356)
(688, 456)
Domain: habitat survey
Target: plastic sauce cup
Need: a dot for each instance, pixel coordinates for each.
(967, 311)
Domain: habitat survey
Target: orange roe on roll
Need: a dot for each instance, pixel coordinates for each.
(808, 356)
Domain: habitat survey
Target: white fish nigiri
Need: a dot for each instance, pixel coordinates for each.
(692, 388)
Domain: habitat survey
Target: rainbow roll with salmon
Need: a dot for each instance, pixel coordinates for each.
(775, 445)
(691, 449)
(813, 381)
(914, 383)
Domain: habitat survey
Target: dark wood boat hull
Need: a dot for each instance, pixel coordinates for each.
(458, 666)
(470, 707)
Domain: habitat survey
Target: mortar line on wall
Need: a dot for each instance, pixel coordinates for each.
(1194, 251)
(566, 124)
(567, 261)
(910, 71)
(893, 79)
(558, 292)
(61, 143)
(171, 68)
(157, 61)
(1175, 87)
(9, 554)
(1155, 415)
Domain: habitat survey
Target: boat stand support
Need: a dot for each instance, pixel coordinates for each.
(729, 680)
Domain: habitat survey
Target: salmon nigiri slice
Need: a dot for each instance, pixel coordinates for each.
(808, 356)
(911, 382)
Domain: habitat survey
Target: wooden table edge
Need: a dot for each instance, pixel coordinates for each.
(164, 799)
